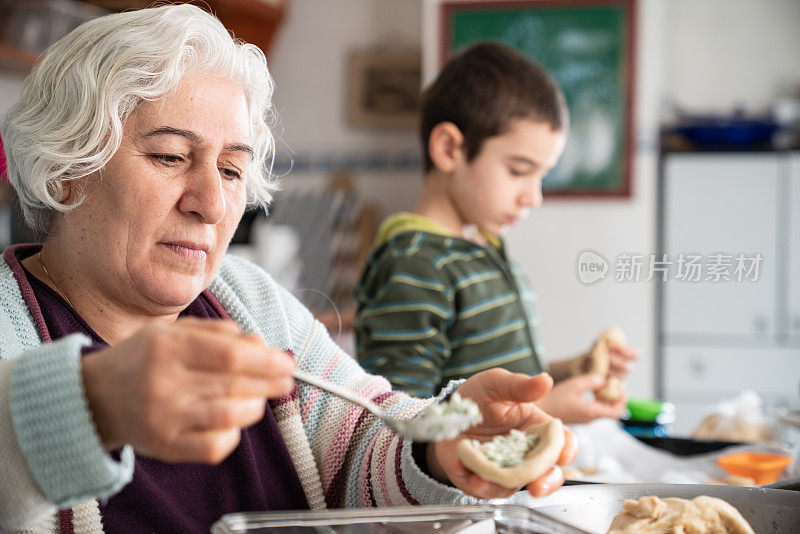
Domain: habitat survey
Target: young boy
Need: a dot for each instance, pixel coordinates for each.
(439, 298)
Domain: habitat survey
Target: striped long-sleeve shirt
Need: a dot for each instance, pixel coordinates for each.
(433, 307)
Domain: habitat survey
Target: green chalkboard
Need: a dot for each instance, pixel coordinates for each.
(586, 46)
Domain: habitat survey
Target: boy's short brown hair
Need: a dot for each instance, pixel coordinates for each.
(482, 89)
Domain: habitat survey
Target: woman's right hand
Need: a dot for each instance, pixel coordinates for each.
(183, 392)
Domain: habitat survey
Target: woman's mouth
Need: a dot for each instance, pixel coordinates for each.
(190, 251)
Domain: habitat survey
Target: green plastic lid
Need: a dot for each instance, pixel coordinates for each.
(647, 410)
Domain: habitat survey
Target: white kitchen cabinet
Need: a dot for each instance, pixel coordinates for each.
(793, 245)
(708, 374)
(698, 378)
(717, 339)
(724, 204)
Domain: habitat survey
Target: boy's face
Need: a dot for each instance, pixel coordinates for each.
(504, 180)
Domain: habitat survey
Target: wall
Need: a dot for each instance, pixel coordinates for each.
(9, 91)
(10, 84)
(726, 53)
(309, 63)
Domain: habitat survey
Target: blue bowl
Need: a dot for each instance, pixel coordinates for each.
(728, 133)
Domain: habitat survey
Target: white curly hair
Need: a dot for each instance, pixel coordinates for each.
(69, 119)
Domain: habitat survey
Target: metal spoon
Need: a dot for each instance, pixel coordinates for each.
(430, 425)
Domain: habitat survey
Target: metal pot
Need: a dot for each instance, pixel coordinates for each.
(592, 507)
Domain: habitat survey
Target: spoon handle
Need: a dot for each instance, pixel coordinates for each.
(339, 391)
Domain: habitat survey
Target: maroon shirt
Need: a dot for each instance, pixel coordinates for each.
(165, 497)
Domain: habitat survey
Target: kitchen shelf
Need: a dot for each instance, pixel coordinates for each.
(15, 58)
(253, 21)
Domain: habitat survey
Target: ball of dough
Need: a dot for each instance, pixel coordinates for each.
(651, 515)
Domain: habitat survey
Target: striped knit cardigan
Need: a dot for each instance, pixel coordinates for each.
(51, 457)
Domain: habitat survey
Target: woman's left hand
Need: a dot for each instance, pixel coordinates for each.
(506, 401)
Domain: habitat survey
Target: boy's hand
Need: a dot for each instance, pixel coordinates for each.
(568, 401)
(622, 360)
(506, 401)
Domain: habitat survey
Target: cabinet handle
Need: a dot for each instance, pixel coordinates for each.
(760, 324)
(698, 367)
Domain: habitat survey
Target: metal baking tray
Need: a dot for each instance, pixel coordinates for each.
(488, 518)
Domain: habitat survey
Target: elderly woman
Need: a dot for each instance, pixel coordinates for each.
(135, 356)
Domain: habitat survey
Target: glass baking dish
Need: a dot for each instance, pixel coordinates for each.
(479, 519)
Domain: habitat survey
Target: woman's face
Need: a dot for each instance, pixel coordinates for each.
(157, 220)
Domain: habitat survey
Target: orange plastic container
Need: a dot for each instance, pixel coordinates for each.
(762, 468)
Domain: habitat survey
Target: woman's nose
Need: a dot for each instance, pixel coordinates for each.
(203, 194)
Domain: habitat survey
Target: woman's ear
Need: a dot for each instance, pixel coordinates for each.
(72, 190)
(66, 191)
(445, 146)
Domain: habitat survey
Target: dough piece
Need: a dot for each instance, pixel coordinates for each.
(611, 391)
(735, 480)
(572, 473)
(598, 360)
(601, 357)
(701, 515)
(719, 427)
(711, 427)
(600, 363)
(578, 473)
(537, 461)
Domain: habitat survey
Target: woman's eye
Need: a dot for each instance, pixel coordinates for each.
(169, 160)
(231, 174)
(518, 172)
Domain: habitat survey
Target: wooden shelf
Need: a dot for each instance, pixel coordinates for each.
(253, 21)
(257, 6)
(15, 58)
